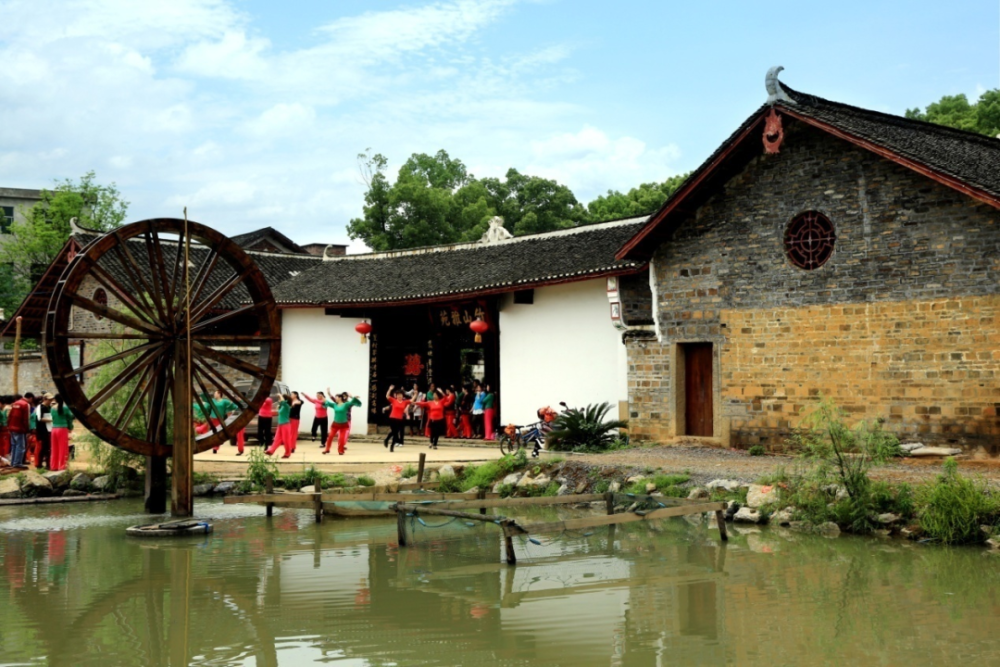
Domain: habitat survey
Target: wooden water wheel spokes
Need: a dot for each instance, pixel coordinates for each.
(117, 337)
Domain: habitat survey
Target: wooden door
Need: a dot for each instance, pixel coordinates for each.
(698, 389)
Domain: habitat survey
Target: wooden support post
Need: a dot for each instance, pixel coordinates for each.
(482, 496)
(609, 500)
(420, 467)
(269, 489)
(509, 544)
(720, 518)
(156, 484)
(17, 352)
(318, 499)
(182, 496)
(401, 525)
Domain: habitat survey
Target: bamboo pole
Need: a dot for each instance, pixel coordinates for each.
(420, 467)
(401, 526)
(17, 351)
(269, 489)
(720, 518)
(318, 499)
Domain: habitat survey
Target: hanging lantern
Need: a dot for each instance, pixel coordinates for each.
(364, 329)
(480, 328)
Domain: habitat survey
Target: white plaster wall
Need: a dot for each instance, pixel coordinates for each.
(562, 347)
(320, 351)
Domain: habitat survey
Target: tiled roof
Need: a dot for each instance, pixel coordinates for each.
(966, 161)
(246, 241)
(470, 269)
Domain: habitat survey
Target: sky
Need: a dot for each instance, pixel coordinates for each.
(252, 113)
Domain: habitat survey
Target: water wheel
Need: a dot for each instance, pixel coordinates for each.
(166, 312)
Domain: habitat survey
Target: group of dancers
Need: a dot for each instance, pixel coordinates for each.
(35, 429)
(466, 411)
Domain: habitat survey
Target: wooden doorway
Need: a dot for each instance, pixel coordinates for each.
(697, 389)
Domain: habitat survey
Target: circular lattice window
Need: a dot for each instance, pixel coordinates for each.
(809, 240)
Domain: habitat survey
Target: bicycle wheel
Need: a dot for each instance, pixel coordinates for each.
(507, 446)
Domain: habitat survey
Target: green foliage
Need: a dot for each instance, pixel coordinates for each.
(954, 507)
(409, 471)
(777, 476)
(506, 490)
(757, 450)
(512, 462)
(642, 200)
(36, 240)
(449, 484)
(308, 477)
(584, 430)
(983, 116)
(825, 433)
(481, 476)
(204, 478)
(533, 491)
(663, 481)
(365, 480)
(259, 467)
(434, 200)
(602, 486)
(112, 461)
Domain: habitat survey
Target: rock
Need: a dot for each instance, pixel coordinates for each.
(581, 506)
(581, 487)
(698, 493)
(446, 471)
(838, 492)
(73, 493)
(81, 482)
(882, 532)
(225, 488)
(828, 529)
(511, 478)
(615, 487)
(650, 487)
(783, 517)
(936, 451)
(747, 515)
(911, 532)
(910, 446)
(993, 543)
(102, 483)
(986, 530)
(308, 489)
(473, 491)
(202, 489)
(541, 481)
(888, 518)
(633, 507)
(562, 480)
(565, 490)
(60, 479)
(524, 481)
(496, 487)
(758, 495)
(800, 525)
(728, 485)
(9, 488)
(34, 485)
(635, 478)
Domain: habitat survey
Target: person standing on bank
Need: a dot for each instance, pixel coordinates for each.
(62, 424)
(397, 417)
(450, 414)
(283, 436)
(319, 417)
(264, 417)
(477, 409)
(414, 412)
(43, 432)
(435, 416)
(341, 419)
(489, 413)
(295, 418)
(17, 424)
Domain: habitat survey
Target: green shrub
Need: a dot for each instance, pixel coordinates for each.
(825, 433)
(663, 481)
(584, 430)
(449, 484)
(481, 476)
(409, 471)
(536, 491)
(365, 480)
(602, 486)
(757, 450)
(506, 490)
(259, 466)
(954, 507)
(512, 462)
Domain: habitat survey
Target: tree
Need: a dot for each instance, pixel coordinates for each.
(36, 240)
(956, 111)
(642, 200)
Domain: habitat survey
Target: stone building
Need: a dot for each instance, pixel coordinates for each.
(824, 250)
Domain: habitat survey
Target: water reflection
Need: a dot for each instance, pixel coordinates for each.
(287, 591)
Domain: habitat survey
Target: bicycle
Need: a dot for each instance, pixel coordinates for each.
(515, 437)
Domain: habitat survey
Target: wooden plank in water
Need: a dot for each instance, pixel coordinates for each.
(519, 502)
(420, 509)
(614, 519)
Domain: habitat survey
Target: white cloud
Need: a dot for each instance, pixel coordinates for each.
(282, 120)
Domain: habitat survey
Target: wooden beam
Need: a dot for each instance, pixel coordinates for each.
(182, 496)
(519, 502)
(417, 510)
(614, 519)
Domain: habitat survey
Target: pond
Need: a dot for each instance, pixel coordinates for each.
(286, 591)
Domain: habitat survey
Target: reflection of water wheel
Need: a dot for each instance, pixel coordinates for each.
(124, 296)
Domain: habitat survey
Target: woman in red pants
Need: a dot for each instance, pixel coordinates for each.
(283, 436)
(341, 420)
(435, 415)
(489, 412)
(450, 414)
(294, 416)
(62, 424)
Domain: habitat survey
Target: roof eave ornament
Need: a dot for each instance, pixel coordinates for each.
(775, 93)
(496, 232)
(326, 256)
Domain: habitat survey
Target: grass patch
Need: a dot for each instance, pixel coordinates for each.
(365, 480)
(409, 471)
(448, 484)
(602, 486)
(757, 450)
(954, 507)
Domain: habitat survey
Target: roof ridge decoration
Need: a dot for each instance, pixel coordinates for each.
(775, 91)
(496, 231)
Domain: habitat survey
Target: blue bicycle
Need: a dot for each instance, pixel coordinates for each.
(516, 437)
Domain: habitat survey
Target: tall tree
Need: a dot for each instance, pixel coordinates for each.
(956, 111)
(36, 240)
(642, 200)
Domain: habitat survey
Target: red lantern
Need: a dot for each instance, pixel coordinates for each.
(364, 329)
(480, 328)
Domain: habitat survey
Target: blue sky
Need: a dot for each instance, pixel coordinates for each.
(252, 113)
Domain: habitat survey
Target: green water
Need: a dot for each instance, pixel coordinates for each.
(76, 591)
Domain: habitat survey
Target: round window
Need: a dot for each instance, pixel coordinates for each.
(101, 297)
(809, 240)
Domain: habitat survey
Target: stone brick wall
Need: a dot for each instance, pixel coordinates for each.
(636, 298)
(900, 324)
(33, 374)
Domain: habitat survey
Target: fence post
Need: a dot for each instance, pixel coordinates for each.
(269, 489)
(420, 467)
(400, 526)
(318, 498)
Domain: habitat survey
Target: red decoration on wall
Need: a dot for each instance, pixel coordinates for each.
(480, 327)
(774, 133)
(364, 329)
(412, 367)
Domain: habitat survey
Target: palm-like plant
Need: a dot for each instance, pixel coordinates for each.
(578, 429)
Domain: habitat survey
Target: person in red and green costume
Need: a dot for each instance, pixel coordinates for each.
(283, 436)
(341, 417)
(62, 424)
(220, 408)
